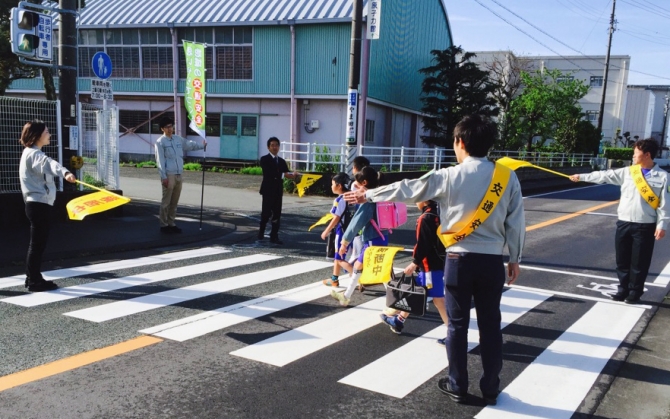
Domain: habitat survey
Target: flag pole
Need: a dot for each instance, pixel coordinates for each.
(202, 192)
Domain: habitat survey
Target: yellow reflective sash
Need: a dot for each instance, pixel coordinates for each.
(498, 185)
(642, 186)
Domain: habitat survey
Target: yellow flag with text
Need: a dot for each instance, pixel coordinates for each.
(306, 180)
(515, 164)
(378, 264)
(322, 220)
(94, 203)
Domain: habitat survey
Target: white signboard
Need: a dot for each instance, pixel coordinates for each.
(374, 18)
(101, 89)
(352, 110)
(44, 33)
(74, 137)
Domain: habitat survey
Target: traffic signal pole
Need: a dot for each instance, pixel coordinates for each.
(67, 74)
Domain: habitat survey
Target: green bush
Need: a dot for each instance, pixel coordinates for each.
(289, 186)
(325, 162)
(254, 170)
(92, 181)
(619, 153)
(193, 167)
(151, 164)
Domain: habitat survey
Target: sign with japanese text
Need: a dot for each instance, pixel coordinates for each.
(352, 110)
(93, 203)
(44, 50)
(377, 264)
(374, 18)
(101, 89)
(194, 96)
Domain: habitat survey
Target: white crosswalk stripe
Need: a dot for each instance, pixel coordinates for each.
(19, 280)
(61, 294)
(149, 302)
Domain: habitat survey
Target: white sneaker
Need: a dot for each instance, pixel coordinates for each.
(339, 296)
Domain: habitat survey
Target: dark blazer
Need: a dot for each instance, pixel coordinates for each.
(272, 175)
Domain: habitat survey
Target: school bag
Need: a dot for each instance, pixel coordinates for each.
(390, 215)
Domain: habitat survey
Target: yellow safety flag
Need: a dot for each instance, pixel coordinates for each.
(515, 164)
(323, 220)
(306, 180)
(377, 264)
(94, 203)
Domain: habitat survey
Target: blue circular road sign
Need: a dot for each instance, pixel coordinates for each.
(101, 65)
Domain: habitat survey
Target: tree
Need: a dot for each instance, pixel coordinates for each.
(453, 88)
(547, 108)
(505, 73)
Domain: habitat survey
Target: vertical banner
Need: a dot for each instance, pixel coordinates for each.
(194, 96)
(374, 18)
(352, 110)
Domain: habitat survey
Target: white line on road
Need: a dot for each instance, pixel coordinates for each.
(144, 303)
(17, 280)
(663, 278)
(535, 268)
(381, 376)
(555, 384)
(98, 287)
(578, 296)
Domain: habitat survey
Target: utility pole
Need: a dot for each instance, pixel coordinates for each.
(67, 74)
(664, 133)
(607, 70)
(354, 79)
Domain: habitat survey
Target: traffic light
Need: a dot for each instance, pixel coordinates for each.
(30, 33)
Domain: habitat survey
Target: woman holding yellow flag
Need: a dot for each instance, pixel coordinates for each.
(37, 172)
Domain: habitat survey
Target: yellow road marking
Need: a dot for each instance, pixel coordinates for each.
(73, 362)
(569, 216)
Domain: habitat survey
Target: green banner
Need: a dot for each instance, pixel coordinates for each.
(194, 97)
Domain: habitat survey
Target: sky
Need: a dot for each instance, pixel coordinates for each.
(571, 27)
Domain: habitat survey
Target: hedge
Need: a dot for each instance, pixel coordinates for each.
(619, 153)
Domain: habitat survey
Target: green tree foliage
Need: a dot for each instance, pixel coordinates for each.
(452, 88)
(548, 107)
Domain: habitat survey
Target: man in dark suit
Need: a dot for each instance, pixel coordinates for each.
(275, 170)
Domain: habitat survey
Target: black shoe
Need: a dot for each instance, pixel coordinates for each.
(490, 399)
(276, 241)
(619, 296)
(632, 298)
(42, 286)
(174, 229)
(261, 236)
(445, 387)
(166, 230)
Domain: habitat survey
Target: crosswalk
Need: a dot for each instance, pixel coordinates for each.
(552, 384)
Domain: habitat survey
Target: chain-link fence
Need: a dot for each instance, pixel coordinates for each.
(14, 113)
(100, 145)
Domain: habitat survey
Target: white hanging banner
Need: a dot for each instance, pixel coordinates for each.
(374, 18)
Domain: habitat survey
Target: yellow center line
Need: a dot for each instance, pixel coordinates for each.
(73, 362)
(569, 216)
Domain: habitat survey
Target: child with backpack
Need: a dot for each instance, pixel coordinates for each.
(339, 222)
(428, 260)
(362, 220)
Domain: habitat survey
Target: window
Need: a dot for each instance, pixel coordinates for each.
(91, 37)
(596, 81)
(369, 131)
(234, 53)
(209, 63)
(134, 121)
(592, 116)
(229, 125)
(85, 57)
(212, 125)
(157, 62)
(126, 62)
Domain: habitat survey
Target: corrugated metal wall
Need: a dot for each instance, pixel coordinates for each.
(410, 29)
(322, 59)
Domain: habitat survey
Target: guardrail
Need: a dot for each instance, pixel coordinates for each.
(322, 157)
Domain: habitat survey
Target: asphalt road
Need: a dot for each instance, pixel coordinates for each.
(278, 353)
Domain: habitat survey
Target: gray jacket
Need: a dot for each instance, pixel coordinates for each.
(632, 206)
(170, 154)
(459, 191)
(37, 172)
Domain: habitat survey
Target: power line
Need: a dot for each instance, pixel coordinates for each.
(646, 8)
(644, 39)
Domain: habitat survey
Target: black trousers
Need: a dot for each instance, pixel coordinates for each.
(271, 211)
(482, 277)
(634, 244)
(38, 214)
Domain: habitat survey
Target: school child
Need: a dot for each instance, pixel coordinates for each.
(428, 260)
(365, 213)
(340, 218)
(358, 164)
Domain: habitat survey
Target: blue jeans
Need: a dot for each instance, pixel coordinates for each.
(482, 277)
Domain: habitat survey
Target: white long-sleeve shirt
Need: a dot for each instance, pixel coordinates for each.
(632, 206)
(37, 172)
(459, 191)
(170, 154)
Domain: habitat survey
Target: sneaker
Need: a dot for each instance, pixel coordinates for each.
(442, 341)
(445, 387)
(42, 286)
(390, 311)
(395, 325)
(339, 296)
(174, 229)
(331, 283)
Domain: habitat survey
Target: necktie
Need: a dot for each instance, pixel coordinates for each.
(276, 160)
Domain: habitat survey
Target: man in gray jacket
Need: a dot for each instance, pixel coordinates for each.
(170, 161)
(474, 264)
(643, 216)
